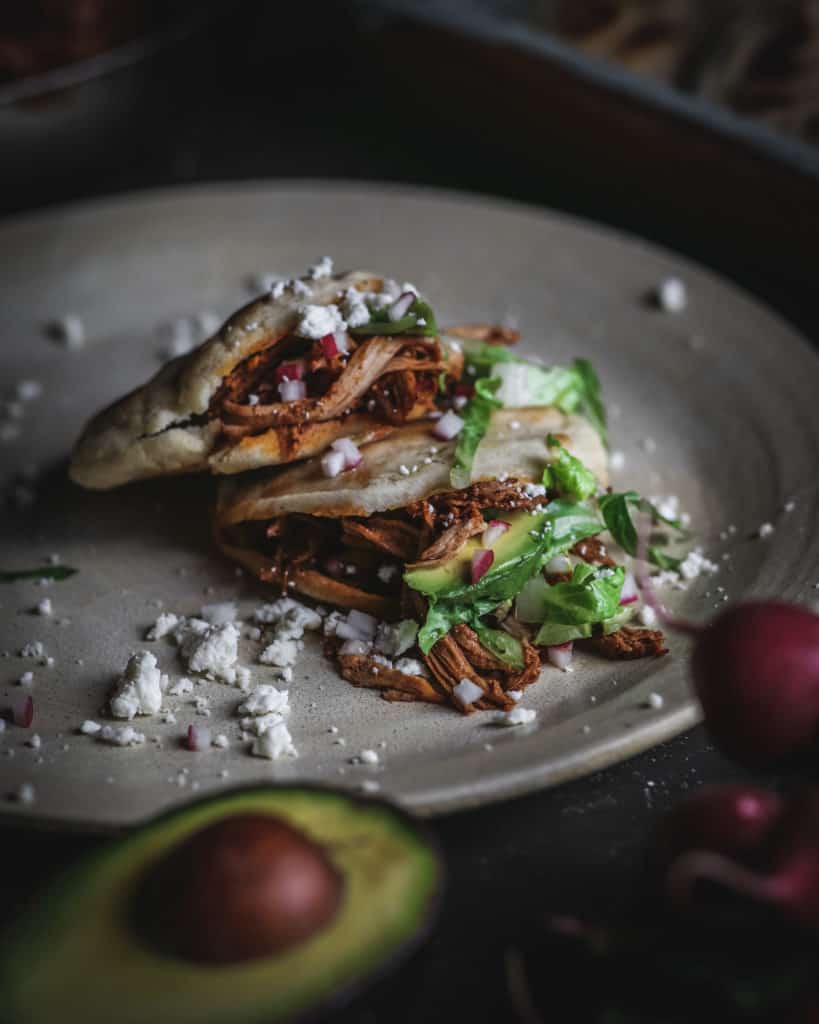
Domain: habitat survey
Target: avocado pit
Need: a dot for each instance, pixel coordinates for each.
(246, 887)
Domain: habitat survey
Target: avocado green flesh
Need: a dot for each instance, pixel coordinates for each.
(512, 545)
(75, 957)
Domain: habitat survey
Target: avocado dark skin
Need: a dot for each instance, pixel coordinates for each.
(246, 887)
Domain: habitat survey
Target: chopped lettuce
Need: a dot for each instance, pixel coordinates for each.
(552, 634)
(567, 474)
(502, 644)
(592, 595)
(616, 512)
(380, 322)
(554, 530)
(573, 388)
(46, 572)
(476, 415)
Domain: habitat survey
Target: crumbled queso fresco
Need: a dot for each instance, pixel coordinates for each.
(208, 647)
(317, 321)
(139, 689)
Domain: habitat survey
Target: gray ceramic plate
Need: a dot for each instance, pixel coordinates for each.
(716, 404)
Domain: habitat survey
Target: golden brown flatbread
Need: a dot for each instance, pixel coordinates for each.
(195, 415)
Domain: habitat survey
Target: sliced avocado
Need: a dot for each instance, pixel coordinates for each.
(519, 540)
(81, 954)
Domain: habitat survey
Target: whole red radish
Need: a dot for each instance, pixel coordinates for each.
(755, 670)
(734, 820)
(752, 844)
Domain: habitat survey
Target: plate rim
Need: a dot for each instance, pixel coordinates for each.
(510, 782)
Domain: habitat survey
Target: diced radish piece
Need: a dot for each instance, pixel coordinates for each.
(459, 401)
(629, 594)
(22, 710)
(558, 564)
(529, 604)
(560, 655)
(364, 623)
(352, 456)
(342, 343)
(334, 566)
(496, 529)
(199, 737)
(481, 563)
(355, 647)
(332, 463)
(448, 426)
(292, 390)
(290, 371)
(399, 309)
(329, 346)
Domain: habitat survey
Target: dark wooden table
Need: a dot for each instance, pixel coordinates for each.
(575, 849)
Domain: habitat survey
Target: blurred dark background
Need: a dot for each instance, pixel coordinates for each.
(690, 122)
(619, 110)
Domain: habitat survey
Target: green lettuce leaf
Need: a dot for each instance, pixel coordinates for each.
(592, 595)
(567, 474)
(381, 324)
(46, 572)
(502, 644)
(483, 357)
(616, 512)
(554, 530)
(552, 634)
(573, 388)
(591, 398)
(476, 415)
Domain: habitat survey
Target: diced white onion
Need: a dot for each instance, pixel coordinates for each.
(332, 463)
(560, 655)
(342, 343)
(448, 426)
(292, 390)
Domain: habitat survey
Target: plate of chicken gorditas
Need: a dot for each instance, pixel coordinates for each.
(394, 501)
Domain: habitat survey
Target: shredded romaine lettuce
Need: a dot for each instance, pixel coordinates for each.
(46, 572)
(567, 474)
(616, 512)
(476, 415)
(554, 530)
(592, 595)
(552, 634)
(419, 320)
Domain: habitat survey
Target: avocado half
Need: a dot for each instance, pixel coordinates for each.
(76, 955)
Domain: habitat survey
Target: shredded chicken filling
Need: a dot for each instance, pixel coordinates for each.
(358, 562)
(393, 378)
